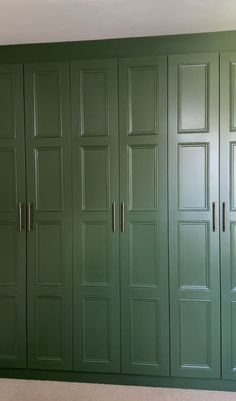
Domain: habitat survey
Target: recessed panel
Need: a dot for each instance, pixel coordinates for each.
(8, 253)
(193, 98)
(194, 326)
(96, 329)
(144, 320)
(95, 178)
(8, 330)
(47, 104)
(8, 182)
(193, 176)
(49, 328)
(49, 179)
(232, 86)
(143, 178)
(95, 253)
(233, 175)
(233, 255)
(7, 106)
(94, 102)
(193, 254)
(49, 255)
(142, 97)
(143, 254)
(232, 346)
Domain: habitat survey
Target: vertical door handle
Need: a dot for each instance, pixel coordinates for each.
(113, 217)
(213, 216)
(28, 217)
(122, 217)
(20, 216)
(223, 216)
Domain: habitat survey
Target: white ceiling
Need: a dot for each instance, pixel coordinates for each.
(29, 21)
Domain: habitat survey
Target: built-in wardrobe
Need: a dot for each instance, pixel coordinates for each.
(117, 203)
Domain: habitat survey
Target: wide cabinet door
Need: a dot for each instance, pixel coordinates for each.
(12, 227)
(228, 212)
(193, 216)
(143, 222)
(49, 214)
(95, 204)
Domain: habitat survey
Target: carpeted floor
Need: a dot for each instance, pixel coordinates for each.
(29, 390)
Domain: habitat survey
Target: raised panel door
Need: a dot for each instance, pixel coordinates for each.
(12, 240)
(96, 222)
(49, 236)
(228, 214)
(194, 215)
(143, 238)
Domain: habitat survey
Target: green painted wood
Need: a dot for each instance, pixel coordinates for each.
(193, 187)
(49, 190)
(12, 241)
(227, 195)
(96, 187)
(120, 379)
(113, 48)
(143, 189)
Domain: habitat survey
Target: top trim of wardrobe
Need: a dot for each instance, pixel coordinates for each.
(119, 48)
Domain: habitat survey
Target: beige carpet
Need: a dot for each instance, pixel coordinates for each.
(29, 390)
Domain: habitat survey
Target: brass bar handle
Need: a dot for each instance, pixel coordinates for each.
(122, 217)
(20, 216)
(223, 216)
(28, 217)
(113, 217)
(213, 216)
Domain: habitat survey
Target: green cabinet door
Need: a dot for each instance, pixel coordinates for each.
(49, 236)
(95, 222)
(12, 240)
(194, 210)
(228, 201)
(143, 197)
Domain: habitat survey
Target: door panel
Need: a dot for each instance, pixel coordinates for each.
(193, 187)
(49, 253)
(192, 110)
(228, 195)
(193, 194)
(193, 247)
(49, 192)
(143, 189)
(144, 353)
(49, 178)
(96, 319)
(49, 319)
(12, 241)
(143, 234)
(96, 188)
(194, 324)
(95, 168)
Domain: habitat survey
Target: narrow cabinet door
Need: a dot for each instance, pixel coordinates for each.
(194, 208)
(96, 223)
(228, 211)
(12, 227)
(143, 200)
(49, 215)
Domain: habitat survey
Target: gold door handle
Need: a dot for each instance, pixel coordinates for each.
(122, 217)
(113, 217)
(223, 216)
(213, 216)
(20, 216)
(28, 217)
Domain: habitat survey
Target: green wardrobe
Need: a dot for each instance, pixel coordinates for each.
(36, 217)
(201, 214)
(117, 216)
